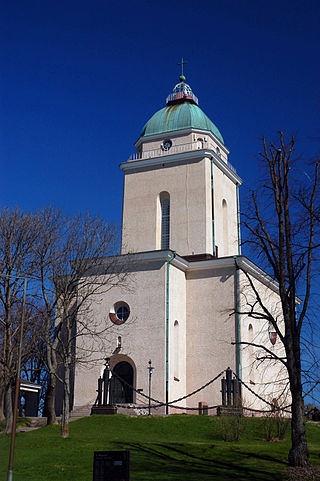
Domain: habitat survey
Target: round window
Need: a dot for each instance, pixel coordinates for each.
(122, 313)
(119, 313)
(167, 144)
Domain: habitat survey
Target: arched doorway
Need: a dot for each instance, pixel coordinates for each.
(122, 379)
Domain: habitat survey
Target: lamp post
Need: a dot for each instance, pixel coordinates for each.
(17, 388)
(106, 383)
(150, 368)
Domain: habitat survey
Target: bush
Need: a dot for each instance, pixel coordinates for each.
(231, 427)
(275, 426)
(21, 422)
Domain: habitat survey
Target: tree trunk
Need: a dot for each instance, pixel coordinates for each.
(66, 404)
(8, 409)
(49, 409)
(299, 453)
(2, 416)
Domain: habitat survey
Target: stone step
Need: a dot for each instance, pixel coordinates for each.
(38, 422)
(79, 412)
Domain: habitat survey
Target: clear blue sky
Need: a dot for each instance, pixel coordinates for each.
(80, 79)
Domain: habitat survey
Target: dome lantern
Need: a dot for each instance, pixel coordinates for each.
(182, 112)
(182, 92)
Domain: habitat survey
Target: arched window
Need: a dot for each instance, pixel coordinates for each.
(225, 227)
(165, 220)
(176, 371)
(251, 353)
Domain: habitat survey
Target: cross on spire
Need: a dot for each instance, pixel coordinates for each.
(182, 63)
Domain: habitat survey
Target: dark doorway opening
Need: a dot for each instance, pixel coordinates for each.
(121, 384)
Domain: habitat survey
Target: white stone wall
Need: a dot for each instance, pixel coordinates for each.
(226, 229)
(202, 301)
(266, 377)
(142, 335)
(210, 331)
(177, 334)
(190, 208)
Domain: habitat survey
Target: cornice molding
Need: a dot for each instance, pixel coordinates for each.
(243, 262)
(251, 268)
(181, 158)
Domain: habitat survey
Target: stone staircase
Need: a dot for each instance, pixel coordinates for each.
(35, 423)
(38, 422)
(79, 412)
(131, 410)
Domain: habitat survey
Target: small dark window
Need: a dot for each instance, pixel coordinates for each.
(122, 312)
(165, 220)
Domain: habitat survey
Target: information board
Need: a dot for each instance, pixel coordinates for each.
(111, 466)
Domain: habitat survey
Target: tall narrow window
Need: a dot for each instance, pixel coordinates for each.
(225, 228)
(165, 220)
(251, 354)
(176, 343)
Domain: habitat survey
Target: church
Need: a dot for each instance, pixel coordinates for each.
(186, 309)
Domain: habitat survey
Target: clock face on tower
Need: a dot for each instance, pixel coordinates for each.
(167, 144)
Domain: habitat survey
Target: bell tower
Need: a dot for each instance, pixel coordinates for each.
(180, 191)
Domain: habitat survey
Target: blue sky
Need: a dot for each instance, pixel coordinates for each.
(81, 78)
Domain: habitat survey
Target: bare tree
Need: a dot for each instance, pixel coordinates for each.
(282, 231)
(17, 236)
(75, 269)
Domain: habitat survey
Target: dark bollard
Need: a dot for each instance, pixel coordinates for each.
(235, 393)
(100, 384)
(229, 385)
(223, 391)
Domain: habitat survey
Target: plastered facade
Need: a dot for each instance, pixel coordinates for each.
(182, 300)
(210, 300)
(187, 310)
(267, 377)
(190, 208)
(142, 335)
(203, 206)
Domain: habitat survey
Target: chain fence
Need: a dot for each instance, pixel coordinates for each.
(172, 404)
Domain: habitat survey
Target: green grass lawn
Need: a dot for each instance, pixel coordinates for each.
(174, 448)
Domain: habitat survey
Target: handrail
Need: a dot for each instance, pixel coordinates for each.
(177, 149)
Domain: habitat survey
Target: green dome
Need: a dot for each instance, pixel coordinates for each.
(177, 117)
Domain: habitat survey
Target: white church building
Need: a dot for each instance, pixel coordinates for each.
(189, 289)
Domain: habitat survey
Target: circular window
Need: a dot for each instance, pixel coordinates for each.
(119, 313)
(122, 313)
(167, 144)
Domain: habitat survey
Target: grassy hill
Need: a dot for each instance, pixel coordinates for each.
(174, 448)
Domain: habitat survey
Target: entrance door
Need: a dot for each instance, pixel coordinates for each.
(121, 392)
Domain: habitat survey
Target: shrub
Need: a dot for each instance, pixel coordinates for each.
(275, 426)
(231, 427)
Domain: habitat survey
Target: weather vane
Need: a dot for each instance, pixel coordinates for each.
(182, 63)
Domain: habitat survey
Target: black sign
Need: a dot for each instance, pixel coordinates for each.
(111, 466)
